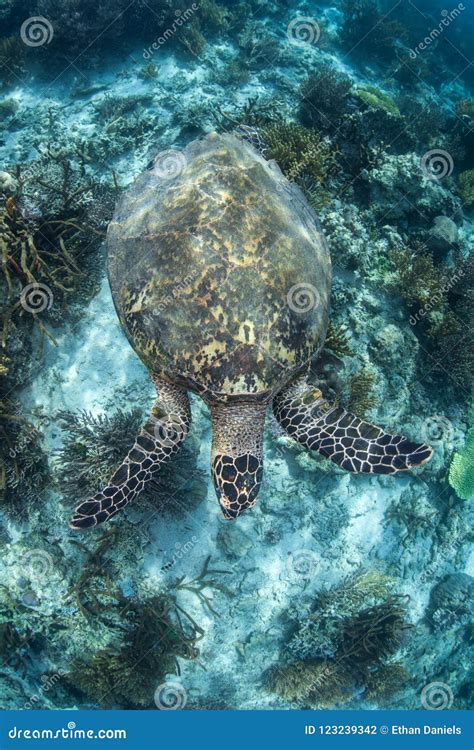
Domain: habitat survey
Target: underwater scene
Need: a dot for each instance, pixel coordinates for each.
(176, 181)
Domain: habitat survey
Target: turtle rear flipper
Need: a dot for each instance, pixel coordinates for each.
(342, 437)
(158, 441)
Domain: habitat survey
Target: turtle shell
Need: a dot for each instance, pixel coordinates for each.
(219, 272)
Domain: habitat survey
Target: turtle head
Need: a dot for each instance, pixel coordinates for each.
(237, 480)
(237, 461)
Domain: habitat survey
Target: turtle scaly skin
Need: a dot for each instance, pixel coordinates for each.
(221, 279)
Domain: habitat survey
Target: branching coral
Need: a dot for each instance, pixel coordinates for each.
(259, 48)
(361, 386)
(373, 633)
(158, 631)
(300, 152)
(256, 113)
(454, 343)
(57, 215)
(337, 341)
(93, 447)
(421, 285)
(52, 220)
(466, 187)
(324, 98)
(461, 470)
(126, 677)
(318, 683)
(24, 472)
(344, 644)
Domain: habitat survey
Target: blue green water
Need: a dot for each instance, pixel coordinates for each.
(336, 590)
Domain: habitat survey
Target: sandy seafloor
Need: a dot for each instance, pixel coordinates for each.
(312, 526)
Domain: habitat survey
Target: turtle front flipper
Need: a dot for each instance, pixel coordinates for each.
(159, 439)
(337, 434)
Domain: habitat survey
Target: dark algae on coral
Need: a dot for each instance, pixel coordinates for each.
(341, 129)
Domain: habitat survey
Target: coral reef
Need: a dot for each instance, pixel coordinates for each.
(466, 187)
(302, 155)
(318, 683)
(377, 99)
(324, 98)
(368, 30)
(343, 645)
(400, 187)
(461, 470)
(451, 601)
(155, 633)
(127, 676)
(337, 340)
(361, 387)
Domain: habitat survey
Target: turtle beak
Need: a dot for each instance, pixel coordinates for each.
(237, 480)
(231, 513)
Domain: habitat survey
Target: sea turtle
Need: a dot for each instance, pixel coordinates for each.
(221, 279)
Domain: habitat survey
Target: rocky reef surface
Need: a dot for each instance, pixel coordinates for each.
(335, 590)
